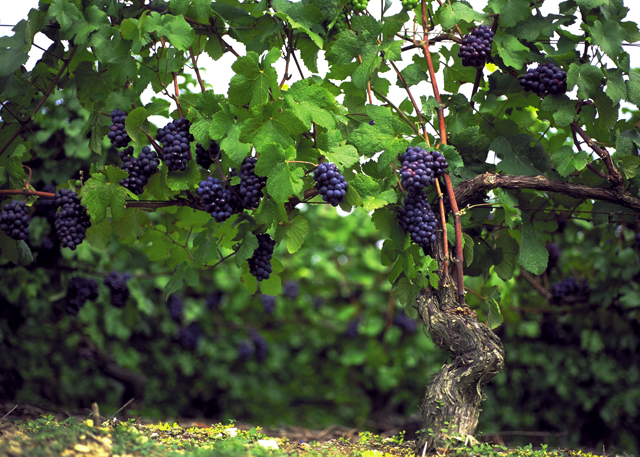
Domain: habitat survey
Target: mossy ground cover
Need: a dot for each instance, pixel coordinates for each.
(47, 436)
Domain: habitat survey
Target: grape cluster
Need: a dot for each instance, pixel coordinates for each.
(79, 290)
(352, 328)
(554, 255)
(359, 5)
(175, 139)
(251, 185)
(260, 262)
(189, 336)
(420, 168)
(268, 303)
(341, 23)
(318, 302)
(545, 78)
(245, 350)
(417, 218)
(175, 306)
(140, 169)
(218, 200)
(260, 344)
(213, 300)
(476, 46)
(410, 4)
(330, 183)
(14, 220)
(204, 156)
(568, 286)
(404, 322)
(117, 284)
(118, 134)
(72, 221)
(291, 289)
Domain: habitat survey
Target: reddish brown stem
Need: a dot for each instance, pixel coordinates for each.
(177, 90)
(476, 84)
(195, 68)
(26, 192)
(616, 177)
(443, 218)
(413, 102)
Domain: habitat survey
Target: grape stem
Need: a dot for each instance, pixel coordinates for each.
(413, 102)
(615, 176)
(443, 220)
(195, 68)
(302, 161)
(399, 111)
(447, 179)
(177, 97)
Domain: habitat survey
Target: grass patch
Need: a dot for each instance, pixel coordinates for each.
(46, 437)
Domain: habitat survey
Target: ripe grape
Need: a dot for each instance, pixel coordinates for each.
(420, 168)
(372, 122)
(72, 221)
(476, 46)
(554, 255)
(260, 344)
(14, 220)
(175, 306)
(213, 300)
(245, 349)
(330, 183)
(140, 169)
(291, 289)
(218, 200)
(79, 290)
(189, 336)
(568, 286)
(118, 134)
(404, 322)
(251, 185)
(352, 328)
(546, 78)
(268, 303)
(260, 262)
(175, 139)
(417, 218)
(117, 284)
(204, 156)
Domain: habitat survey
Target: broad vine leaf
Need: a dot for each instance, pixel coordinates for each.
(533, 255)
(282, 180)
(294, 233)
(104, 191)
(519, 157)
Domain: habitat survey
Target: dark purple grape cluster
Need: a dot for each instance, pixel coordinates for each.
(420, 168)
(417, 218)
(554, 255)
(291, 289)
(14, 220)
(260, 261)
(405, 323)
(213, 300)
(118, 134)
(140, 169)
(352, 328)
(218, 200)
(318, 302)
(245, 350)
(204, 157)
(251, 185)
(175, 305)
(176, 139)
(330, 183)
(117, 284)
(189, 336)
(476, 46)
(568, 286)
(546, 78)
(268, 303)
(260, 344)
(79, 290)
(72, 221)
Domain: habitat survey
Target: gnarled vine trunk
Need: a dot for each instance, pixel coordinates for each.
(451, 404)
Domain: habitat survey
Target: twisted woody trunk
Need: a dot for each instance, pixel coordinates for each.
(451, 404)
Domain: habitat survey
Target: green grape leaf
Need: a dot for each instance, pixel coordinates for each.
(271, 286)
(511, 11)
(533, 255)
(101, 192)
(563, 111)
(608, 36)
(294, 233)
(246, 249)
(133, 124)
(509, 202)
(133, 223)
(450, 15)
(509, 248)
(519, 157)
(282, 181)
(175, 28)
(65, 12)
(184, 272)
(98, 234)
(616, 89)
(310, 103)
(343, 156)
(513, 52)
(567, 161)
(587, 77)
(492, 299)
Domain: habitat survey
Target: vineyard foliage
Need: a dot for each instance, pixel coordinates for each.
(317, 82)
